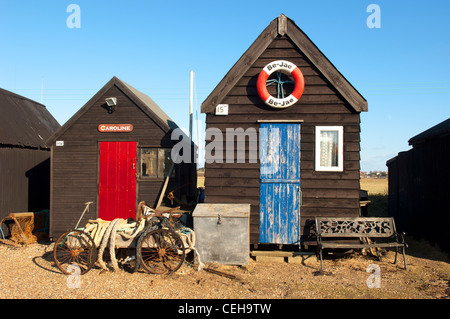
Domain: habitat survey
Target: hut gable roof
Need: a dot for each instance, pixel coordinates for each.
(283, 26)
(441, 129)
(144, 102)
(24, 122)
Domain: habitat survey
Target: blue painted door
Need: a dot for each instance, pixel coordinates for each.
(280, 196)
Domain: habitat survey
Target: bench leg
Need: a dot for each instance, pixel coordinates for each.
(319, 249)
(396, 253)
(404, 257)
(378, 255)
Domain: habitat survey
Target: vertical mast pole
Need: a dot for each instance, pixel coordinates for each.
(191, 103)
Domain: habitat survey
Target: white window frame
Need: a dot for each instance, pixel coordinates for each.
(340, 166)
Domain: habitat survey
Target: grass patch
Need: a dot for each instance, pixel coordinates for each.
(375, 186)
(200, 180)
(377, 189)
(378, 205)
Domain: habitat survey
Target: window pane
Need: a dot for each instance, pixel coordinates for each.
(148, 162)
(168, 163)
(155, 162)
(329, 148)
(164, 162)
(161, 162)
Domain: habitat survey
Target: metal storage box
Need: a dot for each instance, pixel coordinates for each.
(222, 233)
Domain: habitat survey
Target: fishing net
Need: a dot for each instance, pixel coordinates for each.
(19, 228)
(22, 231)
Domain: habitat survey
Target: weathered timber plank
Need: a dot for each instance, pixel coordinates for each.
(305, 69)
(305, 99)
(350, 167)
(329, 184)
(332, 203)
(230, 199)
(233, 182)
(311, 119)
(233, 191)
(347, 174)
(296, 110)
(247, 173)
(311, 212)
(330, 193)
(280, 53)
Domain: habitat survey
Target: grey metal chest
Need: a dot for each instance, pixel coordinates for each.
(222, 233)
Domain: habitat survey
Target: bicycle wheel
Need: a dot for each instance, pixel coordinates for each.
(161, 251)
(77, 248)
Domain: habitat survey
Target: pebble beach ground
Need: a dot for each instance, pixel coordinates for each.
(30, 273)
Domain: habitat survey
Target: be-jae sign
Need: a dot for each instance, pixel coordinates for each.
(113, 128)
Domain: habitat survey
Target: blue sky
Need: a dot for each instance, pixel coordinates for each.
(402, 68)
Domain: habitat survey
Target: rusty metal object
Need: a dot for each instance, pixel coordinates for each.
(160, 251)
(75, 248)
(216, 272)
(159, 248)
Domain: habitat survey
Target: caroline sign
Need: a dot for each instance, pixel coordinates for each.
(115, 128)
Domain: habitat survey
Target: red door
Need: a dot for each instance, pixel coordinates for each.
(117, 181)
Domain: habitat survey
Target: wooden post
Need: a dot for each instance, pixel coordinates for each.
(166, 182)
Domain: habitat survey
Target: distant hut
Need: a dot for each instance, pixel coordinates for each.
(419, 186)
(116, 152)
(24, 154)
(284, 93)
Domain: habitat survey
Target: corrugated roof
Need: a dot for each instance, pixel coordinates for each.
(24, 122)
(440, 129)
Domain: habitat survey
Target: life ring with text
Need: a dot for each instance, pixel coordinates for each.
(288, 67)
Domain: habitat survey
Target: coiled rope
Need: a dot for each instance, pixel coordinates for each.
(188, 237)
(104, 234)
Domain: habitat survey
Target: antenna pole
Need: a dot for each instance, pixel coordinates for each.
(191, 103)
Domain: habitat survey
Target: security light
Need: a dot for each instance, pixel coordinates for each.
(111, 102)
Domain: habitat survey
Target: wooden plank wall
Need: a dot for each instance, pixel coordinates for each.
(419, 184)
(25, 180)
(324, 193)
(75, 165)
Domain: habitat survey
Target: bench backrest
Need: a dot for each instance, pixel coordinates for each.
(355, 227)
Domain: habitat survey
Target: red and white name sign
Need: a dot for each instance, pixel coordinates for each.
(115, 128)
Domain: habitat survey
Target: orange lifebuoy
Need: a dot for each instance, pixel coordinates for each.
(280, 65)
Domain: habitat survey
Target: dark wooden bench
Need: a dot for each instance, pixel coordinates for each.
(373, 232)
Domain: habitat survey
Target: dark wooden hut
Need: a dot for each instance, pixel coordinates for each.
(307, 161)
(419, 186)
(24, 154)
(115, 151)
